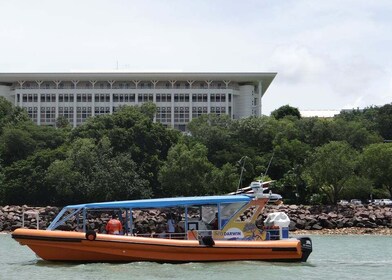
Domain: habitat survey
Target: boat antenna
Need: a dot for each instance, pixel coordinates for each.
(269, 164)
(242, 160)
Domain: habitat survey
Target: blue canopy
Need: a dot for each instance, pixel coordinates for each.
(164, 202)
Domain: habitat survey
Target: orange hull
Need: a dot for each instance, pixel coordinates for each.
(73, 246)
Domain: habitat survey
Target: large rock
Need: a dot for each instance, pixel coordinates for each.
(317, 227)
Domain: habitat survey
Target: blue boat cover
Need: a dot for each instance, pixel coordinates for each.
(164, 202)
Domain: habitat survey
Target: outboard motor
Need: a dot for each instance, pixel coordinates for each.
(306, 247)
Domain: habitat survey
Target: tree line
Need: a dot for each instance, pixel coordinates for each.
(127, 155)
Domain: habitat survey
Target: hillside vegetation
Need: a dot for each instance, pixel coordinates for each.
(128, 156)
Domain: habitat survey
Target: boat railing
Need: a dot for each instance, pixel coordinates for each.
(163, 235)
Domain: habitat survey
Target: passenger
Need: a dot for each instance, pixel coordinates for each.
(114, 226)
(170, 226)
(215, 222)
(162, 232)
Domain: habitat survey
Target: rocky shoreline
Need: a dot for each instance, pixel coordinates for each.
(348, 219)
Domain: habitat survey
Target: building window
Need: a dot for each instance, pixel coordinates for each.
(163, 115)
(67, 112)
(181, 114)
(101, 110)
(132, 98)
(82, 113)
(33, 113)
(48, 115)
(145, 97)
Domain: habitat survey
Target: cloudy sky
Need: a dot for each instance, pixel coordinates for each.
(328, 54)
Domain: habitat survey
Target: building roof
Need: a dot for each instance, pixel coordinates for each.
(240, 77)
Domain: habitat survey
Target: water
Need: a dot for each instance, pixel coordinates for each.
(333, 257)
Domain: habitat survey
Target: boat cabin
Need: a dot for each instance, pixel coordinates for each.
(229, 217)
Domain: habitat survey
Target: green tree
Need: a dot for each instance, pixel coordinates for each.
(354, 133)
(376, 164)
(131, 130)
(62, 122)
(11, 115)
(315, 131)
(223, 180)
(67, 185)
(214, 131)
(330, 168)
(16, 144)
(23, 181)
(358, 187)
(187, 171)
(384, 121)
(284, 111)
(2, 188)
(255, 133)
(287, 155)
(92, 172)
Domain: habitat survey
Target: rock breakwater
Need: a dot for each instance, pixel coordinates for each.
(328, 219)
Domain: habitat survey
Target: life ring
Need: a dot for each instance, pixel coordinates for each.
(91, 235)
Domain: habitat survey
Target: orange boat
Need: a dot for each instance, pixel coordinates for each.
(236, 238)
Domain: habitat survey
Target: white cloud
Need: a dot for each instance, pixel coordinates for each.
(328, 54)
(297, 64)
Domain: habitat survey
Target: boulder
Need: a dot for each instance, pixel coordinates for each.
(317, 227)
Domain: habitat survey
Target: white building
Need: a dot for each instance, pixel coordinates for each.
(179, 96)
(319, 113)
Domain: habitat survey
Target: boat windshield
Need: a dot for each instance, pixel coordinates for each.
(227, 211)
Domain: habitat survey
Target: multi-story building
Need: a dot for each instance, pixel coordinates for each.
(179, 97)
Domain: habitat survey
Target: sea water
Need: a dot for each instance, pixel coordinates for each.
(333, 257)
